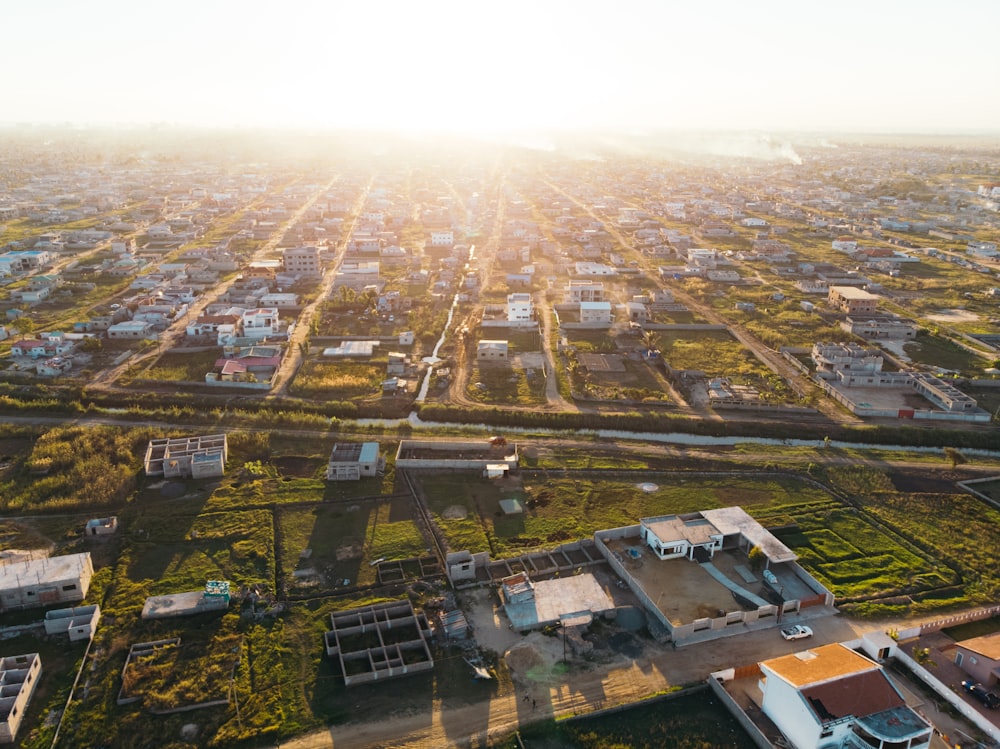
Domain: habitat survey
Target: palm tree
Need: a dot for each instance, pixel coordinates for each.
(651, 340)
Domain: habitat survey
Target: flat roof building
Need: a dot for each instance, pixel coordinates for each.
(41, 582)
(351, 461)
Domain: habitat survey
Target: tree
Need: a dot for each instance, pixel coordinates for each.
(24, 325)
(651, 340)
(956, 457)
(756, 558)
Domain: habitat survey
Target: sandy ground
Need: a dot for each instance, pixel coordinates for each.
(953, 315)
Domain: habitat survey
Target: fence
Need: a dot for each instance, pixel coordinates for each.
(755, 734)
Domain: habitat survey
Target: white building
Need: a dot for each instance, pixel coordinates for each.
(595, 313)
(442, 238)
(519, 307)
(351, 461)
(492, 350)
(832, 696)
(197, 457)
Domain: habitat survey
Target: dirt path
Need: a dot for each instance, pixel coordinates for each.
(584, 688)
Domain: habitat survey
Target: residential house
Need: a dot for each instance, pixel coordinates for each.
(584, 291)
(131, 329)
(595, 313)
(493, 350)
(263, 322)
(880, 327)
(351, 461)
(832, 696)
(519, 307)
(41, 582)
(979, 657)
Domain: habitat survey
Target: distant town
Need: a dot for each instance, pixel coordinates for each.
(547, 431)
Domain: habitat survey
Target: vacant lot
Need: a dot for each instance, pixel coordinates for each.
(332, 546)
(341, 380)
(501, 383)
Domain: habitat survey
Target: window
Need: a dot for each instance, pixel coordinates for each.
(69, 587)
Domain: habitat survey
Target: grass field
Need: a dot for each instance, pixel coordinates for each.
(329, 380)
(337, 542)
(500, 383)
(182, 367)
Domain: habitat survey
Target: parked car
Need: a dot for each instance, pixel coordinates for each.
(981, 693)
(796, 632)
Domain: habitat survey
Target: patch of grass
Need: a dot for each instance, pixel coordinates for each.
(182, 367)
(935, 351)
(504, 384)
(339, 380)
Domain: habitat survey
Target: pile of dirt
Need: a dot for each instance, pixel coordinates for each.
(349, 551)
(455, 512)
(522, 658)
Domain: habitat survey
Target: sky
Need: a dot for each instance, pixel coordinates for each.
(468, 66)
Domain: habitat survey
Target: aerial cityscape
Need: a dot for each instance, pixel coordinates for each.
(566, 376)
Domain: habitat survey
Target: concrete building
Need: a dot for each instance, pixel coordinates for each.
(584, 291)
(832, 696)
(881, 327)
(519, 307)
(78, 623)
(852, 300)
(382, 641)
(351, 461)
(979, 657)
(18, 680)
(572, 601)
(595, 313)
(194, 457)
(303, 260)
(492, 350)
(42, 582)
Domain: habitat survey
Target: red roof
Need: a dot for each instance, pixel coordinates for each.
(859, 695)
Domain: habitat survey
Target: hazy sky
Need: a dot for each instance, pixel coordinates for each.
(877, 65)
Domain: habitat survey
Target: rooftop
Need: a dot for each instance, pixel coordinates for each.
(819, 665)
(987, 646)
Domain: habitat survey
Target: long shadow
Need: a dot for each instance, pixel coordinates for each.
(336, 546)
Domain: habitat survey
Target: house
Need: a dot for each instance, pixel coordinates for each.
(18, 679)
(584, 291)
(881, 327)
(442, 238)
(351, 461)
(979, 657)
(195, 457)
(832, 696)
(595, 313)
(397, 363)
(131, 329)
(493, 350)
(852, 300)
(303, 260)
(41, 582)
(32, 347)
(263, 322)
(519, 307)
(55, 366)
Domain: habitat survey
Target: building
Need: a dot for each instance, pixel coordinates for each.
(303, 260)
(519, 307)
(41, 582)
(584, 291)
(979, 657)
(377, 642)
(77, 623)
(832, 696)
(572, 600)
(194, 457)
(102, 526)
(351, 461)
(18, 680)
(881, 327)
(492, 350)
(131, 329)
(595, 313)
(852, 300)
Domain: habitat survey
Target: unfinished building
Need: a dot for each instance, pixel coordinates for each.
(18, 679)
(40, 582)
(378, 642)
(351, 461)
(187, 457)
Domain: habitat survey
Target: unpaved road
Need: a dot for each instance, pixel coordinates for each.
(585, 687)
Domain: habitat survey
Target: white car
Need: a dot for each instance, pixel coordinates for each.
(796, 632)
